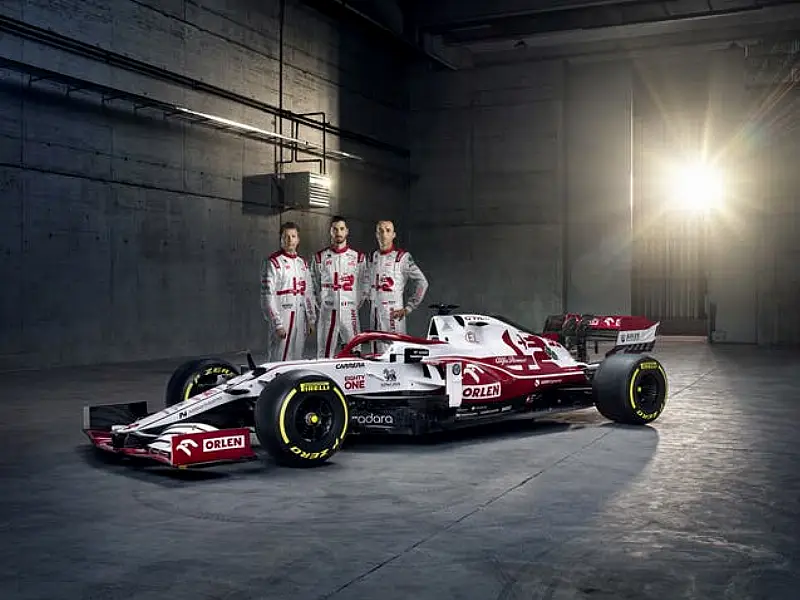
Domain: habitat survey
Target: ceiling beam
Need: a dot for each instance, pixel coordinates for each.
(454, 14)
(741, 24)
(391, 29)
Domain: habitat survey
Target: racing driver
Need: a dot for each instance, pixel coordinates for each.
(287, 300)
(341, 281)
(390, 270)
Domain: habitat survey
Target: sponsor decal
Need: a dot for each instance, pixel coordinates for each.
(491, 390)
(605, 322)
(218, 371)
(345, 283)
(384, 283)
(186, 446)
(630, 336)
(389, 379)
(373, 419)
(416, 354)
(510, 360)
(355, 382)
(315, 386)
(298, 287)
(228, 442)
(648, 365)
(352, 365)
(207, 446)
(309, 455)
(474, 371)
(483, 410)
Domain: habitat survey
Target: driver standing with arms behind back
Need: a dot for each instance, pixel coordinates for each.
(340, 280)
(287, 299)
(390, 269)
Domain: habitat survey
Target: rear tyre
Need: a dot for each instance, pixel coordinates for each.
(197, 376)
(630, 389)
(301, 418)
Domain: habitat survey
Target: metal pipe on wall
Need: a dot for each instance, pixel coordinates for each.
(64, 43)
(281, 21)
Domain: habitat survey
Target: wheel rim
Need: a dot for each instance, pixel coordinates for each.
(648, 393)
(313, 418)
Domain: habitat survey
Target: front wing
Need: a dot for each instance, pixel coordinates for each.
(181, 445)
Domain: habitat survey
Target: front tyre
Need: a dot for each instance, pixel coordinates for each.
(301, 418)
(630, 389)
(197, 376)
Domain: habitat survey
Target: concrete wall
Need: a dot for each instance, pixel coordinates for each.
(598, 188)
(521, 189)
(124, 236)
(736, 231)
(486, 158)
(773, 183)
(522, 192)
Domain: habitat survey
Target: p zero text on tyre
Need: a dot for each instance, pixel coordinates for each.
(197, 376)
(301, 418)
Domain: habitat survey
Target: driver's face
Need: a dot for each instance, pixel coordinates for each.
(384, 233)
(339, 232)
(290, 240)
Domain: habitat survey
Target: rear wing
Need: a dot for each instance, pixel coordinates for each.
(629, 334)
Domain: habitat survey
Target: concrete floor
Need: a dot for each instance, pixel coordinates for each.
(705, 504)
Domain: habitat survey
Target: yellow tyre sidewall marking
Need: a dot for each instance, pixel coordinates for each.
(285, 405)
(282, 416)
(188, 393)
(206, 371)
(632, 401)
(346, 414)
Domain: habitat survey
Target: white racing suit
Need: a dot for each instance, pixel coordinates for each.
(340, 280)
(390, 271)
(287, 301)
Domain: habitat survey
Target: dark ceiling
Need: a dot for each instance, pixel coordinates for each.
(457, 32)
(476, 20)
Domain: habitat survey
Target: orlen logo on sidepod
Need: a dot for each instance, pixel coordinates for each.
(491, 390)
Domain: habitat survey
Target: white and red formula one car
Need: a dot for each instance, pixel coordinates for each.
(468, 369)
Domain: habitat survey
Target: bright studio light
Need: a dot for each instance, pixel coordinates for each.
(696, 186)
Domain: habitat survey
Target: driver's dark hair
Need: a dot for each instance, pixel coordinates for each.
(337, 218)
(288, 225)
